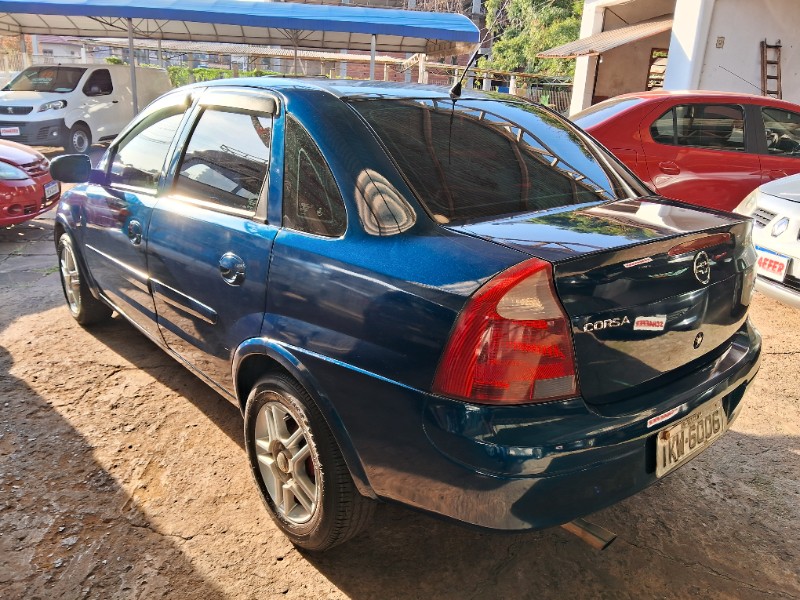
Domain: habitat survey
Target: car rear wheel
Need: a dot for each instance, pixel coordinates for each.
(79, 140)
(85, 308)
(298, 467)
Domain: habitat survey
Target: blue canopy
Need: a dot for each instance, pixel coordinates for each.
(245, 22)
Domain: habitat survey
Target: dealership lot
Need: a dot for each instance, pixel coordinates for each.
(122, 475)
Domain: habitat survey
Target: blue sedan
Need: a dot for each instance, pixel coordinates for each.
(460, 303)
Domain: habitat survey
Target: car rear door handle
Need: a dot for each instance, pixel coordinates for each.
(135, 232)
(231, 267)
(669, 167)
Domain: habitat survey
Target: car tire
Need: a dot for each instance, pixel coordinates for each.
(79, 140)
(298, 467)
(85, 308)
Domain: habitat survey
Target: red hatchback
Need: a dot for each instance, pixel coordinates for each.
(26, 188)
(705, 148)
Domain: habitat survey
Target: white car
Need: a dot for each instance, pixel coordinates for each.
(775, 209)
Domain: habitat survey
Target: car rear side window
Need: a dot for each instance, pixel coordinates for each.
(480, 159)
(227, 159)
(710, 126)
(312, 202)
(139, 157)
(598, 113)
(783, 131)
(98, 84)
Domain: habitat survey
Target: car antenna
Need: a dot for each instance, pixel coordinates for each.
(455, 91)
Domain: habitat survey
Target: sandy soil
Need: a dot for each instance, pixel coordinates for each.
(123, 476)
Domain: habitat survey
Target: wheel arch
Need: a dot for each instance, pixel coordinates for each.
(257, 356)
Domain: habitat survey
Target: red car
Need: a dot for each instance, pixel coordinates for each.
(705, 148)
(26, 188)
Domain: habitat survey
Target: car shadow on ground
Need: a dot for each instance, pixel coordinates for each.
(66, 518)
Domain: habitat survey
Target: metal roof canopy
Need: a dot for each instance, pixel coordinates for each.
(245, 22)
(608, 40)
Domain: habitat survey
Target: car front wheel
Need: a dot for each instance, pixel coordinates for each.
(79, 140)
(298, 467)
(85, 308)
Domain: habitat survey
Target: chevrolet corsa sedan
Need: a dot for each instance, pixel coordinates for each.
(705, 148)
(463, 305)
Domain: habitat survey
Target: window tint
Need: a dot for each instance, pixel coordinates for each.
(713, 126)
(311, 200)
(46, 79)
(98, 84)
(783, 131)
(140, 156)
(482, 158)
(227, 159)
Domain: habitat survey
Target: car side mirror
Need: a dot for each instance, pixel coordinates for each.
(71, 168)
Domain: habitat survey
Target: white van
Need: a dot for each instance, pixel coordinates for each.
(74, 106)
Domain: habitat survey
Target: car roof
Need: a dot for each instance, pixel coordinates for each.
(713, 95)
(348, 87)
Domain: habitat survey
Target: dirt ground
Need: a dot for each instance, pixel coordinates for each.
(123, 476)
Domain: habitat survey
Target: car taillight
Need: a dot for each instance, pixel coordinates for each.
(511, 343)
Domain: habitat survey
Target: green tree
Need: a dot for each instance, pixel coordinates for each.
(523, 28)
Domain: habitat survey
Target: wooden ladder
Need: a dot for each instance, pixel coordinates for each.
(771, 69)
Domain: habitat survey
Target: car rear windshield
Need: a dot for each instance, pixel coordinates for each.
(46, 79)
(598, 113)
(478, 159)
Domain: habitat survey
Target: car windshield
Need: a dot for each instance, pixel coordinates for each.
(478, 159)
(46, 79)
(598, 113)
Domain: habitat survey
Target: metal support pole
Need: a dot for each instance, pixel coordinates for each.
(512, 85)
(487, 83)
(372, 45)
(386, 72)
(160, 55)
(133, 68)
(294, 64)
(423, 76)
(23, 48)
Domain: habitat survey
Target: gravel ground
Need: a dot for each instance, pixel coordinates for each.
(123, 476)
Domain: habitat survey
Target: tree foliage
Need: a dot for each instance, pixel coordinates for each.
(523, 28)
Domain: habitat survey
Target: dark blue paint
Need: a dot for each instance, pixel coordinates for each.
(361, 320)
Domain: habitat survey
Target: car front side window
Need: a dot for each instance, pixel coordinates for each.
(782, 128)
(139, 158)
(709, 126)
(227, 159)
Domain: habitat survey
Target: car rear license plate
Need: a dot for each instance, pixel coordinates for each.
(685, 439)
(771, 264)
(50, 189)
(4, 131)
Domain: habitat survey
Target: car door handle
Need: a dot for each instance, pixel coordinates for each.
(669, 167)
(115, 102)
(231, 267)
(135, 232)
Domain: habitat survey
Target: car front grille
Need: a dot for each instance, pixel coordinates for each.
(37, 168)
(16, 110)
(762, 217)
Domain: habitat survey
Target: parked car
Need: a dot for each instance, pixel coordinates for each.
(705, 148)
(74, 106)
(26, 187)
(465, 306)
(775, 209)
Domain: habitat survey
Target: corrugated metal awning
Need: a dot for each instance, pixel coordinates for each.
(606, 40)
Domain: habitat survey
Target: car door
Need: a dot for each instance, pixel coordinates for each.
(209, 241)
(780, 153)
(702, 153)
(101, 105)
(118, 210)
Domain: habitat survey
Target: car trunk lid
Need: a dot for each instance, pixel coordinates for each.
(651, 287)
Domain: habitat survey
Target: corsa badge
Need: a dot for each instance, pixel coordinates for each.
(607, 323)
(702, 268)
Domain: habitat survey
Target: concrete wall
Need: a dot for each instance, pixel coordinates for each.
(625, 69)
(744, 24)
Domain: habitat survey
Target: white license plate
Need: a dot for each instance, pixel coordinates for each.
(771, 264)
(50, 189)
(9, 131)
(679, 442)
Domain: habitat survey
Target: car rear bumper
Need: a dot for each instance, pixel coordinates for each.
(779, 291)
(523, 467)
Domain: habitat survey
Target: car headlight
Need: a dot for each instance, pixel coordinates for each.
(11, 173)
(748, 205)
(53, 105)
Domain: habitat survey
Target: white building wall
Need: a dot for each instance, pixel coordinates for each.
(736, 67)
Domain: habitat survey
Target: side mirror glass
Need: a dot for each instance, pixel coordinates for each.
(71, 168)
